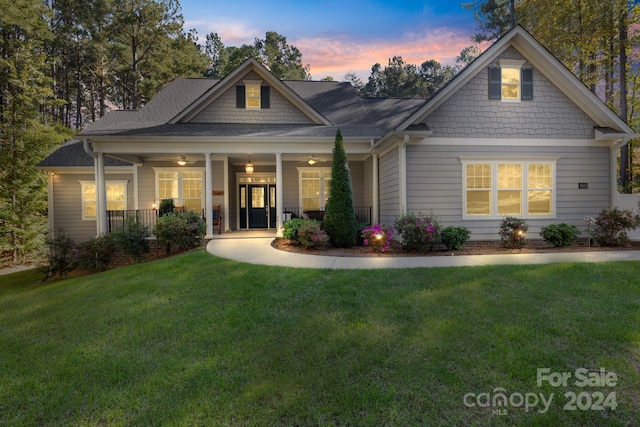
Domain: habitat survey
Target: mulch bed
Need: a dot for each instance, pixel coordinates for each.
(473, 248)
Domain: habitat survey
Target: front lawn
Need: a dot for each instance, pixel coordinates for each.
(197, 340)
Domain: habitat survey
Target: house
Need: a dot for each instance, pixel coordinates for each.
(515, 133)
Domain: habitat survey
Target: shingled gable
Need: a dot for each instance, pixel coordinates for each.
(543, 61)
(228, 82)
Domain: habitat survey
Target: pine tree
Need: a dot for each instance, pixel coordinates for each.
(340, 218)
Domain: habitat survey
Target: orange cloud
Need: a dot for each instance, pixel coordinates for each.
(341, 54)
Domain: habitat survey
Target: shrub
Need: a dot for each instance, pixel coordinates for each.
(180, 230)
(454, 238)
(311, 236)
(132, 239)
(611, 226)
(512, 232)
(560, 235)
(418, 233)
(96, 254)
(166, 207)
(377, 237)
(340, 216)
(290, 231)
(63, 255)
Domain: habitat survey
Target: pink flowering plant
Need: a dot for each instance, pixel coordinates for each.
(513, 233)
(419, 232)
(377, 237)
(311, 236)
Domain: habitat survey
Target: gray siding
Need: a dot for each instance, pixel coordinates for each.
(434, 184)
(389, 191)
(223, 109)
(470, 114)
(68, 204)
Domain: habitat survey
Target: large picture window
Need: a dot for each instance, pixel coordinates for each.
(495, 189)
(183, 186)
(116, 197)
(315, 184)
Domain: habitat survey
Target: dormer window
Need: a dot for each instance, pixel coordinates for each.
(510, 82)
(252, 95)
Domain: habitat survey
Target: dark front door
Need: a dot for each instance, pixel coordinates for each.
(258, 206)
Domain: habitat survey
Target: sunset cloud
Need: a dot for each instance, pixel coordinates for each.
(340, 54)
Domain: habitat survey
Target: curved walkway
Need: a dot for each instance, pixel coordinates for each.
(260, 251)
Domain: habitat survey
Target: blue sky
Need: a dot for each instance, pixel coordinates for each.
(337, 37)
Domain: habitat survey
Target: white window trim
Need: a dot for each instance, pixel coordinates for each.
(248, 84)
(515, 64)
(494, 187)
(123, 182)
(316, 169)
(179, 201)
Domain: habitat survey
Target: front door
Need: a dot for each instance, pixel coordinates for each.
(257, 206)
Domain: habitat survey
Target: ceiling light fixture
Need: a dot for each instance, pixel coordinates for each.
(249, 167)
(312, 159)
(182, 161)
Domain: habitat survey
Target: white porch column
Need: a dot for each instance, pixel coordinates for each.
(376, 195)
(101, 196)
(208, 197)
(279, 198)
(225, 207)
(402, 175)
(136, 204)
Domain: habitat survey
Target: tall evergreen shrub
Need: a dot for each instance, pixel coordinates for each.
(340, 216)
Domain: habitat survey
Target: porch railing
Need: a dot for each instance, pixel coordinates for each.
(118, 220)
(363, 213)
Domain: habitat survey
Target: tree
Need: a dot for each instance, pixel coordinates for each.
(493, 16)
(26, 135)
(284, 60)
(143, 33)
(340, 217)
(402, 80)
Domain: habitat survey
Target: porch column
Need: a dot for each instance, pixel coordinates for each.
(101, 196)
(376, 196)
(208, 197)
(279, 198)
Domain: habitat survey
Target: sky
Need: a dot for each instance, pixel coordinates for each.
(338, 37)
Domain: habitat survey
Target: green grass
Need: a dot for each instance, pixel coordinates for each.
(197, 340)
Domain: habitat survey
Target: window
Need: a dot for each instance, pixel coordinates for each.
(510, 82)
(315, 184)
(116, 197)
(184, 187)
(252, 95)
(495, 189)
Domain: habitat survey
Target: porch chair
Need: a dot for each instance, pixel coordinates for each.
(216, 217)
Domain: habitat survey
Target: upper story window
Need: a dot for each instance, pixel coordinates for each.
(251, 95)
(510, 82)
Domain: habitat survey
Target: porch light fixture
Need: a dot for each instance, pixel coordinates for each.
(182, 161)
(248, 168)
(312, 160)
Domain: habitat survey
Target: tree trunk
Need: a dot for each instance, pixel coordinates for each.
(625, 170)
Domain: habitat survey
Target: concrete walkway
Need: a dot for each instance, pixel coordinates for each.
(259, 251)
